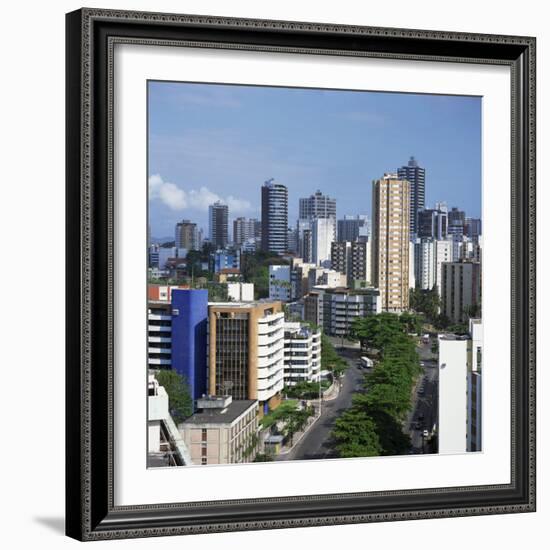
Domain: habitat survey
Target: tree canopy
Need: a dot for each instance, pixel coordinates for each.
(179, 395)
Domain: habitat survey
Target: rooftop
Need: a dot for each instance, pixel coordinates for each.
(226, 415)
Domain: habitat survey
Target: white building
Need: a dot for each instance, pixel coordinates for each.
(165, 444)
(459, 418)
(302, 354)
(443, 252)
(279, 283)
(453, 386)
(475, 386)
(323, 233)
(335, 309)
(240, 292)
(159, 334)
(424, 263)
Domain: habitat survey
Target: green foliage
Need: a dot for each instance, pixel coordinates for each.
(280, 413)
(255, 269)
(355, 435)
(425, 301)
(330, 360)
(179, 395)
(389, 388)
(304, 390)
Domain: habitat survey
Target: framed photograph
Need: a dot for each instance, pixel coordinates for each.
(300, 274)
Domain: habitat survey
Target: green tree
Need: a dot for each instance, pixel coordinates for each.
(355, 435)
(179, 394)
(330, 360)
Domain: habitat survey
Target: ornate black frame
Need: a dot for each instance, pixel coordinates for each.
(91, 35)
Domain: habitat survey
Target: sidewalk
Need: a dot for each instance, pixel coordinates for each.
(331, 394)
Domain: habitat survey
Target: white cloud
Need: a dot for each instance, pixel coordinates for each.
(195, 199)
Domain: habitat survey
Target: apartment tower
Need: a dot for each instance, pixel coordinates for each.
(274, 217)
(390, 241)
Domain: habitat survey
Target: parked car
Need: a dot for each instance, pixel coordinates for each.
(425, 433)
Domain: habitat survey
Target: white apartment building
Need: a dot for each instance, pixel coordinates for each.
(443, 252)
(335, 309)
(302, 354)
(323, 233)
(159, 334)
(460, 406)
(240, 292)
(424, 263)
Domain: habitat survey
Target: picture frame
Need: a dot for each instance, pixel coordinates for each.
(91, 512)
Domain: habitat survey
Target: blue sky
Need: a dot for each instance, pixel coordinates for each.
(209, 141)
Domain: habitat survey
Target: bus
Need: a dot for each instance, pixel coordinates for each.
(366, 363)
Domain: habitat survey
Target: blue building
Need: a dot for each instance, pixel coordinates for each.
(225, 259)
(189, 334)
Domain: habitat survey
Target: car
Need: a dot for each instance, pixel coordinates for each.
(425, 433)
(420, 417)
(421, 391)
(417, 426)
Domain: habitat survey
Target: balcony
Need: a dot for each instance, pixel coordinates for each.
(157, 328)
(155, 361)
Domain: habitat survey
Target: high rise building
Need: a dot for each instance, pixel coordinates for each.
(352, 259)
(323, 234)
(416, 176)
(432, 224)
(443, 252)
(244, 229)
(457, 220)
(460, 290)
(218, 214)
(246, 351)
(351, 228)
(274, 217)
(472, 228)
(187, 235)
(390, 241)
(459, 403)
(424, 263)
(317, 206)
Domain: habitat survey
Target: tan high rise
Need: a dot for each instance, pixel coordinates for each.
(390, 241)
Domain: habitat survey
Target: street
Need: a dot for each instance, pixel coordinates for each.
(315, 443)
(424, 410)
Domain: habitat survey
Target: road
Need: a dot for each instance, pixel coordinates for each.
(315, 443)
(425, 406)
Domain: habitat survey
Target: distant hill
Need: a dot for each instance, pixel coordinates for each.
(162, 240)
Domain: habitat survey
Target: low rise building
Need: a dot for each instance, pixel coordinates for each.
(222, 431)
(302, 356)
(335, 309)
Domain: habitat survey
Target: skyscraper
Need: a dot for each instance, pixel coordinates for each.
(187, 235)
(432, 224)
(390, 241)
(351, 228)
(244, 229)
(317, 206)
(416, 176)
(274, 217)
(457, 219)
(323, 232)
(218, 218)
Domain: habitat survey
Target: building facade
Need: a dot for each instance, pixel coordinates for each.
(323, 234)
(352, 228)
(218, 216)
(335, 309)
(246, 351)
(222, 431)
(279, 283)
(317, 206)
(302, 354)
(274, 217)
(244, 229)
(460, 290)
(390, 241)
(187, 235)
(416, 176)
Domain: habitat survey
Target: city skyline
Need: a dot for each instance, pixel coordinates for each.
(207, 143)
